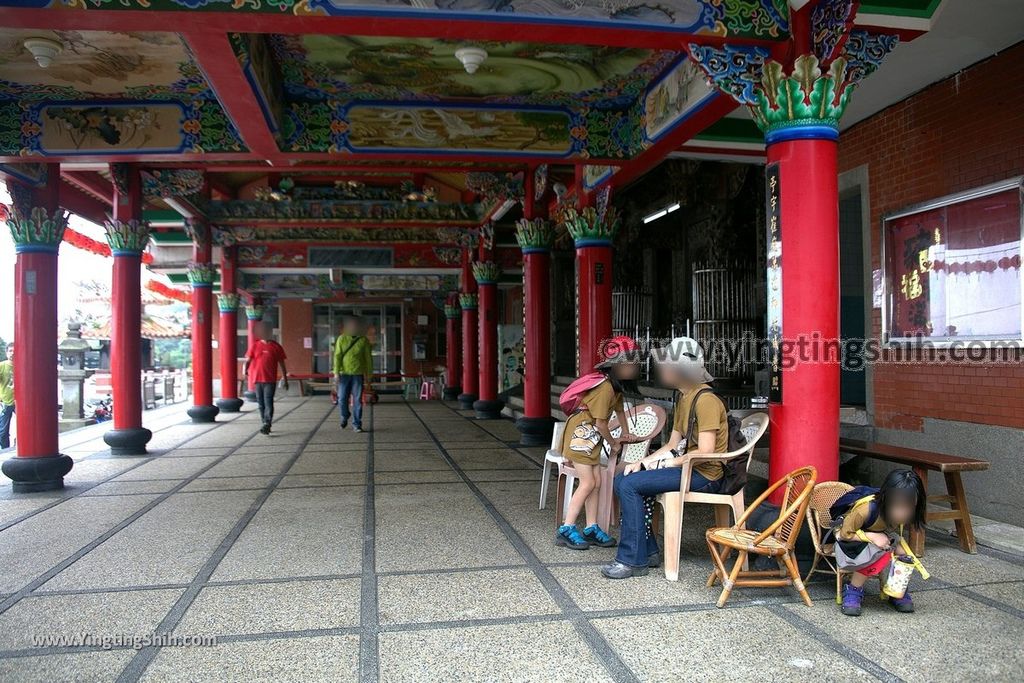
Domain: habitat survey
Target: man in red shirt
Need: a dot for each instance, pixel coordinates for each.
(262, 359)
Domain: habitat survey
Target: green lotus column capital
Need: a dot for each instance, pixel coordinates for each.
(589, 228)
(451, 311)
(227, 302)
(127, 238)
(468, 301)
(37, 230)
(201, 274)
(486, 272)
(254, 312)
(804, 104)
(536, 235)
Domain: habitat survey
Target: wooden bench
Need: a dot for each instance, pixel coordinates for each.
(921, 462)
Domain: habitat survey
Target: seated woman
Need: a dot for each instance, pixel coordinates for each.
(699, 425)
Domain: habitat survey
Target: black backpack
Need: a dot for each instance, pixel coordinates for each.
(734, 471)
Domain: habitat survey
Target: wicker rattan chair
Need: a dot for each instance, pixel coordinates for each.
(819, 521)
(776, 541)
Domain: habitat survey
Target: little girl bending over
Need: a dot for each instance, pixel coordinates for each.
(869, 527)
(586, 433)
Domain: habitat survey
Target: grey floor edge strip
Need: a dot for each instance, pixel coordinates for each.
(15, 597)
(144, 657)
(369, 619)
(604, 652)
(821, 636)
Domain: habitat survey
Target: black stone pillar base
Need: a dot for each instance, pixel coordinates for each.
(535, 431)
(31, 475)
(200, 414)
(229, 405)
(131, 441)
(249, 396)
(488, 410)
(466, 401)
(451, 393)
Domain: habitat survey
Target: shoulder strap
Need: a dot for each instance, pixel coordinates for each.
(692, 419)
(355, 340)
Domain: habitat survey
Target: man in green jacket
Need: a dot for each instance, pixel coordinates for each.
(353, 365)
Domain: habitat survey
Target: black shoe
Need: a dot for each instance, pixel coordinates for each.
(357, 430)
(617, 570)
(265, 429)
(654, 560)
(344, 423)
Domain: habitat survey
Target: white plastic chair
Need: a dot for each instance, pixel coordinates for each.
(552, 459)
(642, 422)
(753, 428)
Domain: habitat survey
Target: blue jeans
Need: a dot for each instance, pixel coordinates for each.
(6, 415)
(351, 385)
(636, 539)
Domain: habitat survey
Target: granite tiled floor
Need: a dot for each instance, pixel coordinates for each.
(416, 552)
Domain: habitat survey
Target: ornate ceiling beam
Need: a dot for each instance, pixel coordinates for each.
(218, 62)
(91, 183)
(383, 21)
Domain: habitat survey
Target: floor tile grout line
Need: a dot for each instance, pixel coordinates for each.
(40, 580)
(369, 617)
(600, 647)
(965, 591)
(143, 459)
(819, 635)
(643, 611)
(528, 458)
(144, 657)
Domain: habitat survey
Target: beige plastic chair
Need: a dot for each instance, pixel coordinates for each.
(753, 428)
(642, 423)
(819, 520)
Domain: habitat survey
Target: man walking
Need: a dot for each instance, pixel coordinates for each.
(353, 365)
(263, 358)
(6, 397)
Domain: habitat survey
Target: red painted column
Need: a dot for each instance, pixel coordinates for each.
(593, 298)
(127, 236)
(453, 349)
(470, 335)
(253, 315)
(535, 237)
(805, 425)
(37, 232)
(227, 304)
(488, 406)
(201, 274)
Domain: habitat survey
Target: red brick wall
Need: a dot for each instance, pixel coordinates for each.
(296, 324)
(958, 134)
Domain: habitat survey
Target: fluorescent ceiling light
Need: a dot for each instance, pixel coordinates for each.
(660, 214)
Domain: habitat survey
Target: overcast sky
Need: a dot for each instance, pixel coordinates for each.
(73, 265)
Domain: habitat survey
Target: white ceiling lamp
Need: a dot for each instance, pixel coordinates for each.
(661, 214)
(44, 50)
(471, 58)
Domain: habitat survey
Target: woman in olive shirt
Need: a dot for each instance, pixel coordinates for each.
(680, 366)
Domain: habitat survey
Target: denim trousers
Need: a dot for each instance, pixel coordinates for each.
(351, 385)
(6, 415)
(636, 538)
(265, 400)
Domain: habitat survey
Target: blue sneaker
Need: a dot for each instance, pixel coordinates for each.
(595, 535)
(569, 536)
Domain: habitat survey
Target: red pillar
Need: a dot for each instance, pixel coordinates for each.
(535, 237)
(127, 236)
(805, 424)
(453, 348)
(593, 298)
(253, 315)
(488, 407)
(201, 274)
(37, 232)
(470, 335)
(227, 304)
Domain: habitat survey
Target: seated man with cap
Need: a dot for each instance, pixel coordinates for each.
(699, 425)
